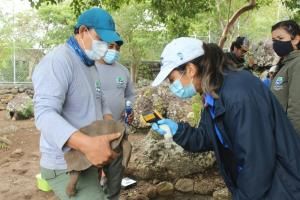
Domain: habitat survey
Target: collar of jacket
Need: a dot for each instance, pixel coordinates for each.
(215, 103)
(238, 61)
(72, 42)
(294, 54)
(219, 110)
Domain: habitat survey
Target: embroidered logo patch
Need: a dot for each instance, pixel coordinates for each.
(98, 86)
(180, 55)
(120, 81)
(279, 81)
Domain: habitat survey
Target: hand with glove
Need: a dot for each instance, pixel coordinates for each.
(164, 126)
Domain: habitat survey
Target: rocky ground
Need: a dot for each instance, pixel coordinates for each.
(19, 163)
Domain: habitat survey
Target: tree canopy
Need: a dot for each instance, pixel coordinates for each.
(145, 25)
(177, 14)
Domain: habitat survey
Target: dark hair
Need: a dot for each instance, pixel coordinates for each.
(76, 29)
(210, 68)
(290, 26)
(237, 43)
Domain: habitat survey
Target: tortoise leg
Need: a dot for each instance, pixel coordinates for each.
(127, 148)
(71, 187)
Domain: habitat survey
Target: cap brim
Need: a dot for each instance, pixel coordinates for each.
(162, 75)
(109, 36)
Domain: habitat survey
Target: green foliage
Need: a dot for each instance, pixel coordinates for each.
(292, 4)
(196, 107)
(58, 22)
(27, 111)
(80, 5)
(144, 72)
(143, 37)
(180, 16)
(16, 31)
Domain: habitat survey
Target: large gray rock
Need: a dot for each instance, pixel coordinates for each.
(155, 158)
(205, 187)
(20, 107)
(185, 185)
(4, 91)
(165, 188)
(209, 182)
(2, 106)
(222, 194)
(264, 54)
(151, 192)
(6, 98)
(161, 99)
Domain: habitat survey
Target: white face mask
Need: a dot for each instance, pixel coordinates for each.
(98, 50)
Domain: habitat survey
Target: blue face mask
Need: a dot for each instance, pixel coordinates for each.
(111, 56)
(183, 92)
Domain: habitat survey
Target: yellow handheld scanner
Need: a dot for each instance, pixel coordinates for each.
(152, 117)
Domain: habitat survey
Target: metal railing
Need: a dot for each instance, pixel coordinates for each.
(17, 64)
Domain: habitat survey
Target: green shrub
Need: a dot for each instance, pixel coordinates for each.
(197, 107)
(27, 112)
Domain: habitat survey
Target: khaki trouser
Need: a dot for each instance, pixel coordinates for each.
(88, 187)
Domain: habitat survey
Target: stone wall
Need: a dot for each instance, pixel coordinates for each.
(9, 91)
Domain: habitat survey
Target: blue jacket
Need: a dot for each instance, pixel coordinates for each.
(256, 147)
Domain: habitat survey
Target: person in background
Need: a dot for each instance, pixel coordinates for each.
(286, 83)
(255, 145)
(67, 97)
(268, 76)
(239, 48)
(117, 89)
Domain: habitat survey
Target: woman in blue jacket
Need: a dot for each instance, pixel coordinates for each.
(255, 145)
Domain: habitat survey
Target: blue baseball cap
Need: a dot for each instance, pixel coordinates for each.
(102, 22)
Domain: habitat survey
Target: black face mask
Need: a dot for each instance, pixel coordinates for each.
(282, 48)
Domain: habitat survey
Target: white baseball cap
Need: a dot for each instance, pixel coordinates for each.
(177, 52)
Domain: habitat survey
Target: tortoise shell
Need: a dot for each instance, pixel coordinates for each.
(76, 161)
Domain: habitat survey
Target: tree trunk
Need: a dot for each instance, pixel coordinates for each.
(133, 70)
(232, 20)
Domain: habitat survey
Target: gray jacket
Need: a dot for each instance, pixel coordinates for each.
(286, 87)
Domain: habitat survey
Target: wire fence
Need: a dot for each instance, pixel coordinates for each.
(17, 64)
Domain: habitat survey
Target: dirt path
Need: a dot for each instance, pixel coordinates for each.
(20, 162)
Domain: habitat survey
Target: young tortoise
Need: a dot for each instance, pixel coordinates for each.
(77, 162)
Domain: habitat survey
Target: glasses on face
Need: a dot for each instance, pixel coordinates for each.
(244, 51)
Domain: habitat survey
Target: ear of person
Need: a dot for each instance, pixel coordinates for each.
(191, 70)
(296, 40)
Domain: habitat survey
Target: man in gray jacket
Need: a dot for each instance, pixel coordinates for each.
(68, 96)
(117, 88)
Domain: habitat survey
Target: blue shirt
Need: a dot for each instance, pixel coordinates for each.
(210, 102)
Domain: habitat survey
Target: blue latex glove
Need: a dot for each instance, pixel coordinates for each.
(172, 125)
